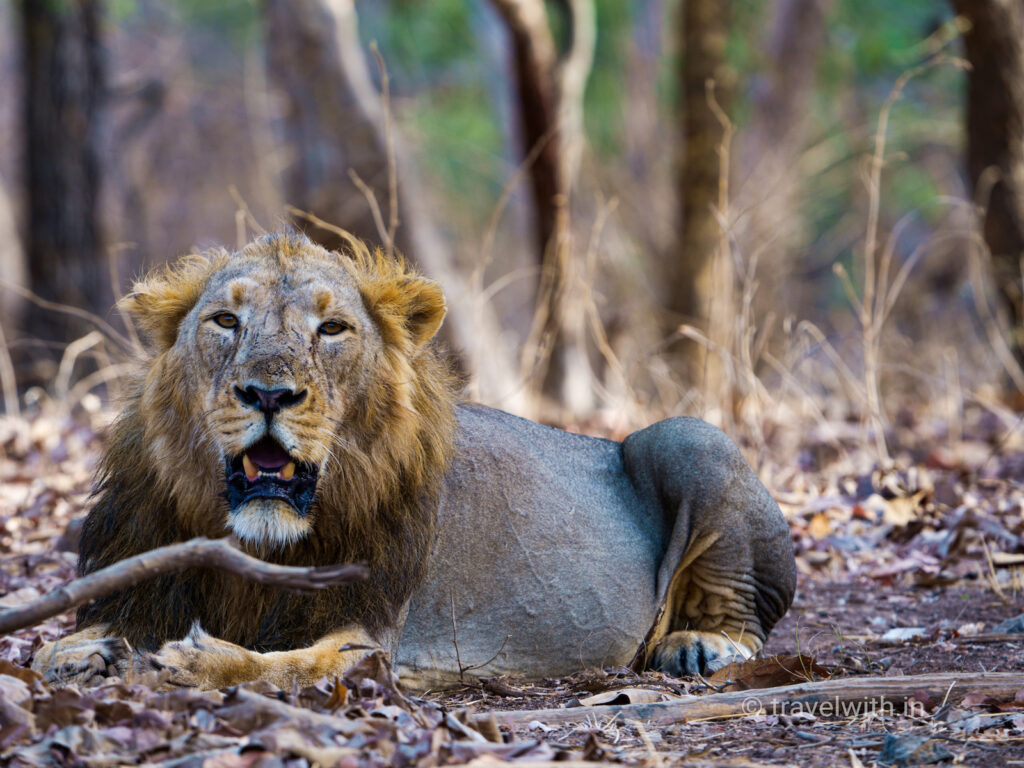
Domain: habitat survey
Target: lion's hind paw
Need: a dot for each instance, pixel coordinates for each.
(88, 662)
(688, 653)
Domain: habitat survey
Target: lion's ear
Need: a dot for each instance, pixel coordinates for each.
(409, 310)
(159, 302)
(424, 310)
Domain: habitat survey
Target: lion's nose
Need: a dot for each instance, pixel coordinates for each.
(269, 401)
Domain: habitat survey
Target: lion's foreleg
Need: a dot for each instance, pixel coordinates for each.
(203, 661)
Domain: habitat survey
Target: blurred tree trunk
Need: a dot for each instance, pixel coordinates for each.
(12, 266)
(549, 90)
(701, 275)
(994, 46)
(773, 228)
(64, 90)
(316, 65)
(335, 124)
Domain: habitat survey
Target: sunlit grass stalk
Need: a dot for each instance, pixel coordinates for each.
(878, 295)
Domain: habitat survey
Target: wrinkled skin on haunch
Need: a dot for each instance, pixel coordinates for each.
(293, 399)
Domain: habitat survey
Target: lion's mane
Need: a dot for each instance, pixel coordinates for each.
(376, 499)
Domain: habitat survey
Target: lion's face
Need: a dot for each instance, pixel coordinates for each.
(287, 356)
(282, 359)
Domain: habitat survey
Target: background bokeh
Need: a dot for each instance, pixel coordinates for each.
(216, 121)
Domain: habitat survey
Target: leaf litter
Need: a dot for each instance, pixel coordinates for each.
(910, 567)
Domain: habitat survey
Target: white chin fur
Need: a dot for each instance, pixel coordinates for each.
(267, 521)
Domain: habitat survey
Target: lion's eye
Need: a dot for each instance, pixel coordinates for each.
(333, 327)
(226, 320)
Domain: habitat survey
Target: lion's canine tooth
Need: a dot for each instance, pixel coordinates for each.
(288, 470)
(250, 469)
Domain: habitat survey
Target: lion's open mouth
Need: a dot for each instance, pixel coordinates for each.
(266, 471)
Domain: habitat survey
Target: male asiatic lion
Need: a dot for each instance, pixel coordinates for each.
(293, 398)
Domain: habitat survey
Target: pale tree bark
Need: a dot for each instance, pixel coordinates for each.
(994, 46)
(549, 90)
(336, 124)
(772, 229)
(64, 91)
(13, 270)
(701, 275)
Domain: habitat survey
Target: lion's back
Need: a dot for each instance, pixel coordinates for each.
(544, 553)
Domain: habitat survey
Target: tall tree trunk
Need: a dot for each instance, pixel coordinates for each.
(773, 228)
(549, 90)
(64, 90)
(534, 59)
(335, 123)
(12, 267)
(701, 279)
(316, 65)
(994, 46)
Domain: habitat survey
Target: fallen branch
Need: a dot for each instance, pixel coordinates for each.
(196, 553)
(825, 698)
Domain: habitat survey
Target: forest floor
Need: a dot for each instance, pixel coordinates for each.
(906, 568)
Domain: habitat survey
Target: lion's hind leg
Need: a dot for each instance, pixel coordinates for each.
(727, 575)
(709, 618)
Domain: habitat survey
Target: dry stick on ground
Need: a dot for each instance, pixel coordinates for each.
(196, 553)
(841, 697)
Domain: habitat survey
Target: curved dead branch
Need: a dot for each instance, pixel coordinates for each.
(196, 553)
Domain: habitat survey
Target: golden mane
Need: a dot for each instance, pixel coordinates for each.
(376, 501)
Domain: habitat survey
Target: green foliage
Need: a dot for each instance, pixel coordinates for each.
(438, 68)
(875, 38)
(462, 147)
(233, 21)
(450, 78)
(604, 99)
(424, 44)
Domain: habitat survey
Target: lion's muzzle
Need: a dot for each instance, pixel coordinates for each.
(266, 471)
(269, 401)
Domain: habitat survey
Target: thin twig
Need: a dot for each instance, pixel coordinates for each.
(458, 655)
(353, 242)
(72, 352)
(389, 149)
(371, 200)
(243, 208)
(199, 552)
(8, 381)
(455, 638)
(82, 314)
(115, 287)
(873, 306)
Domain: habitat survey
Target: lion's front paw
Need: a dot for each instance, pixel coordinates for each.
(182, 661)
(202, 661)
(688, 653)
(85, 662)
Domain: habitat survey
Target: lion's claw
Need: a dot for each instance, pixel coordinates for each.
(691, 653)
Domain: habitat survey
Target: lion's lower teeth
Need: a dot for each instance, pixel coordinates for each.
(288, 471)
